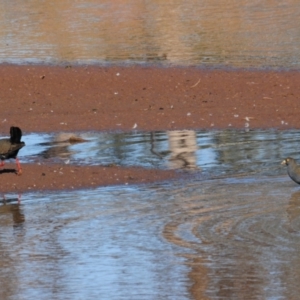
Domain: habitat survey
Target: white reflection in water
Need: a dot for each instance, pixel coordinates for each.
(183, 146)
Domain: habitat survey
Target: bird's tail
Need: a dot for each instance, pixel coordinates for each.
(15, 135)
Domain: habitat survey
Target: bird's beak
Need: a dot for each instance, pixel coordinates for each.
(283, 162)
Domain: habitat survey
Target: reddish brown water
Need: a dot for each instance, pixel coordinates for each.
(226, 32)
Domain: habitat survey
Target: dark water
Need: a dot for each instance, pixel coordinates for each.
(225, 32)
(229, 232)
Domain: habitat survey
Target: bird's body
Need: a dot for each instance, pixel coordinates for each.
(10, 147)
(292, 168)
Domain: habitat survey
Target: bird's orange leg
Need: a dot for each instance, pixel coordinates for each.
(19, 172)
(2, 163)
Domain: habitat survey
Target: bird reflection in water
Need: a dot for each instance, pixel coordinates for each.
(183, 146)
(10, 207)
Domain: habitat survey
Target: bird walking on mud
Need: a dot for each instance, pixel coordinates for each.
(10, 147)
(292, 168)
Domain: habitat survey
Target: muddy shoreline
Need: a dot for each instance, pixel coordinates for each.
(78, 98)
(53, 177)
(49, 98)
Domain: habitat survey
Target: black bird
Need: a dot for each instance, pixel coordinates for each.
(292, 168)
(9, 148)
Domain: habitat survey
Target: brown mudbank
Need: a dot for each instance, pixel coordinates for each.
(117, 98)
(66, 177)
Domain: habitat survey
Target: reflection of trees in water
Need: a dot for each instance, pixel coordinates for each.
(183, 146)
(237, 148)
(117, 145)
(234, 150)
(59, 147)
(128, 148)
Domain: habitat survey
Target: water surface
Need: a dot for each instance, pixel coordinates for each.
(218, 239)
(229, 33)
(229, 231)
(227, 152)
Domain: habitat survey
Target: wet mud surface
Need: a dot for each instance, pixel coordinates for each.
(49, 98)
(66, 177)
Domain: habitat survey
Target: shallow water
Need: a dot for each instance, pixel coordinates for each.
(218, 239)
(231, 33)
(215, 153)
(229, 232)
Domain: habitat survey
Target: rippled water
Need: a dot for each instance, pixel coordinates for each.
(229, 232)
(232, 33)
(218, 239)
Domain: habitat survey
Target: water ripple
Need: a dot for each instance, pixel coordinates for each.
(238, 231)
(235, 237)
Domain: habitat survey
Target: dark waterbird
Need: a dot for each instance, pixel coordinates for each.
(9, 148)
(292, 168)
